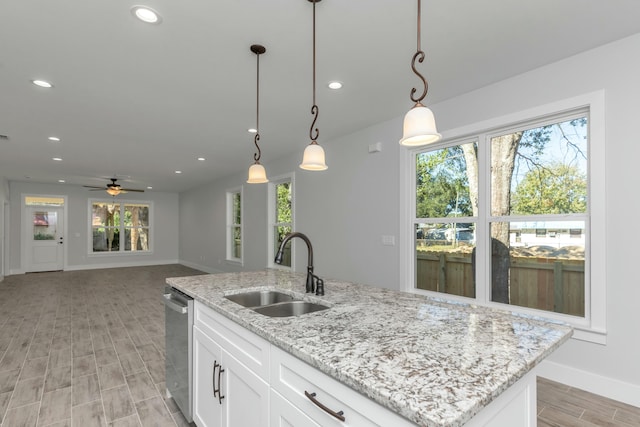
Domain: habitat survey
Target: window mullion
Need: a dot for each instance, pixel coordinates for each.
(483, 248)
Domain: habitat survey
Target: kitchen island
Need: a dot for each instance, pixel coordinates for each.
(433, 362)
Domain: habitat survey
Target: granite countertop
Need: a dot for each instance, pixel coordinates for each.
(436, 363)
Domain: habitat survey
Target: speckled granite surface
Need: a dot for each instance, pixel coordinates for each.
(433, 362)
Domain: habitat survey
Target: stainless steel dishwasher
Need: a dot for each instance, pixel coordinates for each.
(178, 313)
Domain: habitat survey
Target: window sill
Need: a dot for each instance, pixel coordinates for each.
(113, 253)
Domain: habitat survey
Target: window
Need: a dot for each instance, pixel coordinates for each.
(539, 183)
(445, 222)
(234, 225)
(120, 227)
(43, 201)
(280, 218)
(511, 215)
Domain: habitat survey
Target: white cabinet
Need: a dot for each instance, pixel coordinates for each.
(324, 400)
(285, 414)
(240, 380)
(226, 391)
(206, 356)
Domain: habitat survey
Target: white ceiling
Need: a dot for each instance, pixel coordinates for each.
(140, 101)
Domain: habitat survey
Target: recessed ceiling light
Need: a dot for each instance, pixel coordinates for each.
(252, 130)
(57, 159)
(42, 83)
(149, 188)
(146, 14)
(334, 85)
(178, 171)
(202, 159)
(61, 180)
(54, 139)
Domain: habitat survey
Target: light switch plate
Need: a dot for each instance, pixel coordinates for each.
(389, 240)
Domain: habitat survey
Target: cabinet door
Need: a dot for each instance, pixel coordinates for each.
(247, 395)
(285, 414)
(207, 411)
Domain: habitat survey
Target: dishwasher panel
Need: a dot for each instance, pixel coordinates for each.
(179, 339)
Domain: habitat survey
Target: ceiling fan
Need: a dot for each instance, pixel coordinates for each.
(113, 188)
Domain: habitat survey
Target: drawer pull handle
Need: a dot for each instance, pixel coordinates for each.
(312, 397)
(216, 391)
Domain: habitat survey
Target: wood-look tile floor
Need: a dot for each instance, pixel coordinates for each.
(562, 406)
(86, 348)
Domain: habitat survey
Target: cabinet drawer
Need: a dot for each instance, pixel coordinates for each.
(248, 348)
(284, 414)
(291, 377)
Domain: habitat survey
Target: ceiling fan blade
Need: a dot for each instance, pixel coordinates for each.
(130, 190)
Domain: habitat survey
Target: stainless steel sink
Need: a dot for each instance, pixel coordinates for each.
(291, 308)
(274, 303)
(259, 298)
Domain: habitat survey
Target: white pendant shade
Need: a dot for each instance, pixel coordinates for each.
(257, 174)
(313, 158)
(419, 127)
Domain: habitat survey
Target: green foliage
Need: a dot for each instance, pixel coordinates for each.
(283, 202)
(237, 208)
(283, 211)
(442, 184)
(556, 189)
(43, 236)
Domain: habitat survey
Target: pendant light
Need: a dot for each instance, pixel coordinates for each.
(313, 157)
(419, 124)
(257, 173)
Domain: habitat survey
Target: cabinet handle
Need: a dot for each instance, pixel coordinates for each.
(312, 397)
(213, 379)
(216, 391)
(220, 396)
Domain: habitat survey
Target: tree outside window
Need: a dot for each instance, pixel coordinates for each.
(536, 218)
(120, 227)
(234, 225)
(283, 226)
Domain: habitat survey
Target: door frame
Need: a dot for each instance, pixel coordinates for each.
(26, 232)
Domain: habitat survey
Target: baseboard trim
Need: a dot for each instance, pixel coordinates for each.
(604, 386)
(142, 263)
(200, 267)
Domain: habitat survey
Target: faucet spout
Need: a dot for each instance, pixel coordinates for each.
(310, 284)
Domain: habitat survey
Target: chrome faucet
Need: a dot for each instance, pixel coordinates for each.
(312, 279)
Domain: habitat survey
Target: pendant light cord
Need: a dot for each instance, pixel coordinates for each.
(256, 138)
(314, 108)
(419, 56)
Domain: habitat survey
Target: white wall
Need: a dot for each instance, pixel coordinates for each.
(344, 212)
(165, 227)
(4, 199)
(347, 209)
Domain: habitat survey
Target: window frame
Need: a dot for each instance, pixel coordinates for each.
(121, 226)
(271, 219)
(592, 327)
(231, 225)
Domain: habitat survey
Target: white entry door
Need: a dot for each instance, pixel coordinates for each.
(45, 238)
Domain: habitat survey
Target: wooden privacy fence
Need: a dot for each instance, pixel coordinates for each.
(550, 284)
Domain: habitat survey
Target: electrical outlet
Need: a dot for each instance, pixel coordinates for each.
(389, 240)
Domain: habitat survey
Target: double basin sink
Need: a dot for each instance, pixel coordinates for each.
(275, 304)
